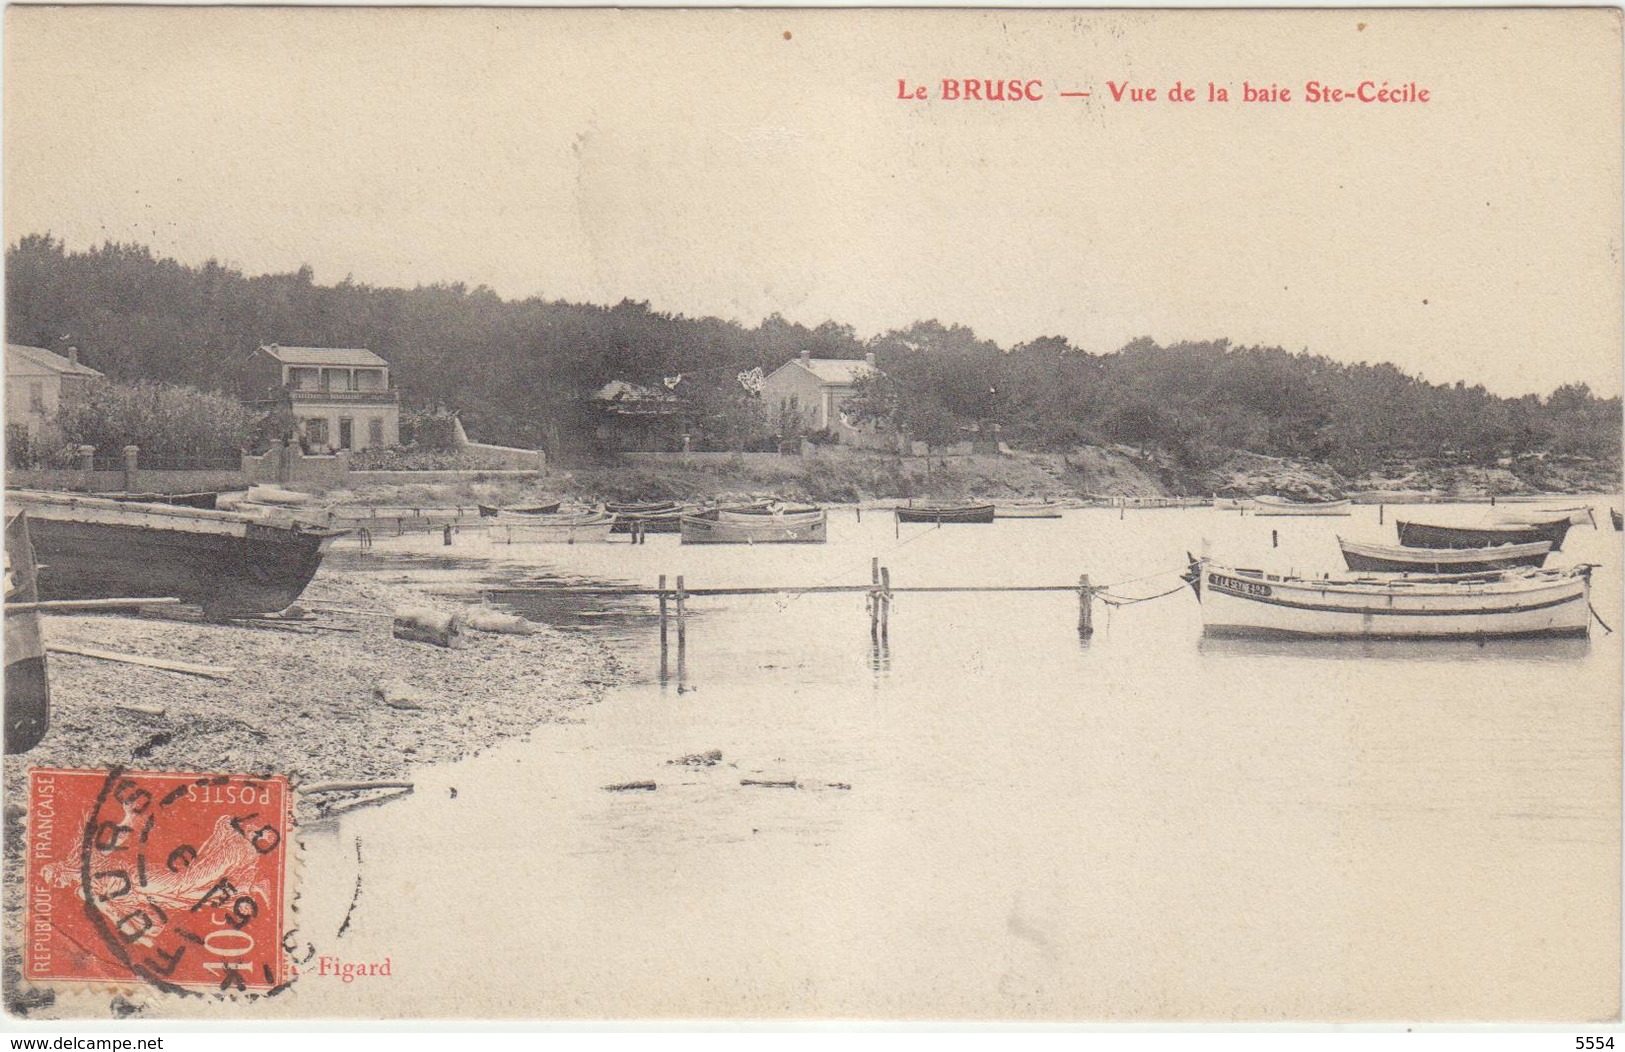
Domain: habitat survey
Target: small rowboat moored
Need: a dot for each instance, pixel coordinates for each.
(1388, 558)
(1266, 505)
(1435, 535)
(941, 512)
(717, 527)
(588, 528)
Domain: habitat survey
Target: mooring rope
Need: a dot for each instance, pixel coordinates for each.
(1123, 600)
(1598, 616)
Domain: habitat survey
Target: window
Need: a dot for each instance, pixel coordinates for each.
(369, 379)
(304, 379)
(36, 395)
(375, 431)
(316, 432)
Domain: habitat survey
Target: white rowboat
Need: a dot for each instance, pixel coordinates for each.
(1265, 505)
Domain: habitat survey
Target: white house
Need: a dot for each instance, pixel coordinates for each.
(813, 390)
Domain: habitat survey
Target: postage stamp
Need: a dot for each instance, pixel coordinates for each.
(176, 880)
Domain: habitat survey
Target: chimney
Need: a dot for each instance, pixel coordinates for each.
(870, 358)
(73, 356)
(806, 356)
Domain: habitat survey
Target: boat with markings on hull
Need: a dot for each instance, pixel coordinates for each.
(1503, 604)
(1386, 557)
(230, 564)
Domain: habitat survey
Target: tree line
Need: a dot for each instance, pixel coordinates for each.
(519, 371)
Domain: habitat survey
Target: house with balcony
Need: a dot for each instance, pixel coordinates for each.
(340, 397)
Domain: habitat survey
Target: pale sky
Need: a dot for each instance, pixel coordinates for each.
(738, 164)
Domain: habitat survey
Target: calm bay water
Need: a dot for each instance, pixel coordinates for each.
(995, 818)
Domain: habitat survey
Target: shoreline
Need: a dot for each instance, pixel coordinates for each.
(299, 702)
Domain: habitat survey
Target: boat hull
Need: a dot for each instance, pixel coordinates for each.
(798, 528)
(1520, 604)
(972, 513)
(230, 565)
(1276, 506)
(1431, 535)
(1383, 558)
(584, 530)
(1619, 520)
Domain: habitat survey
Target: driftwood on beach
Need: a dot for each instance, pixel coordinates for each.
(420, 624)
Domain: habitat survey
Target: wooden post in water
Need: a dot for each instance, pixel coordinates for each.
(859, 509)
(885, 600)
(1380, 510)
(662, 586)
(1086, 607)
(682, 615)
(874, 598)
(1275, 538)
(1122, 508)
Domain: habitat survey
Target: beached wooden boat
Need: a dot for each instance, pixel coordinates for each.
(717, 526)
(1232, 503)
(585, 528)
(1435, 535)
(229, 563)
(1619, 520)
(28, 687)
(1505, 603)
(941, 512)
(491, 511)
(1267, 505)
(1388, 558)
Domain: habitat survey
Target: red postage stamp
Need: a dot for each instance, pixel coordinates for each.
(177, 880)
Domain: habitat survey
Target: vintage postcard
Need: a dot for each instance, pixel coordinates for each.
(966, 515)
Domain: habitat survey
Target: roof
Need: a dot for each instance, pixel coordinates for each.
(619, 396)
(346, 356)
(40, 357)
(835, 370)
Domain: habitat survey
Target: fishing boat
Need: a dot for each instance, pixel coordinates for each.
(585, 528)
(1267, 505)
(1384, 557)
(941, 512)
(718, 526)
(1231, 503)
(491, 511)
(1619, 520)
(1505, 603)
(1542, 516)
(229, 563)
(1436, 535)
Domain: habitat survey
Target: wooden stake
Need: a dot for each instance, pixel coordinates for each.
(682, 614)
(66, 606)
(874, 598)
(885, 600)
(1086, 607)
(186, 667)
(1275, 538)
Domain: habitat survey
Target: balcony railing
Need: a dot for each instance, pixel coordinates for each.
(308, 396)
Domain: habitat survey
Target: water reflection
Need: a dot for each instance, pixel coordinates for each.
(1431, 650)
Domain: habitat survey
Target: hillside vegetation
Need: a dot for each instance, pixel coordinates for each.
(517, 370)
